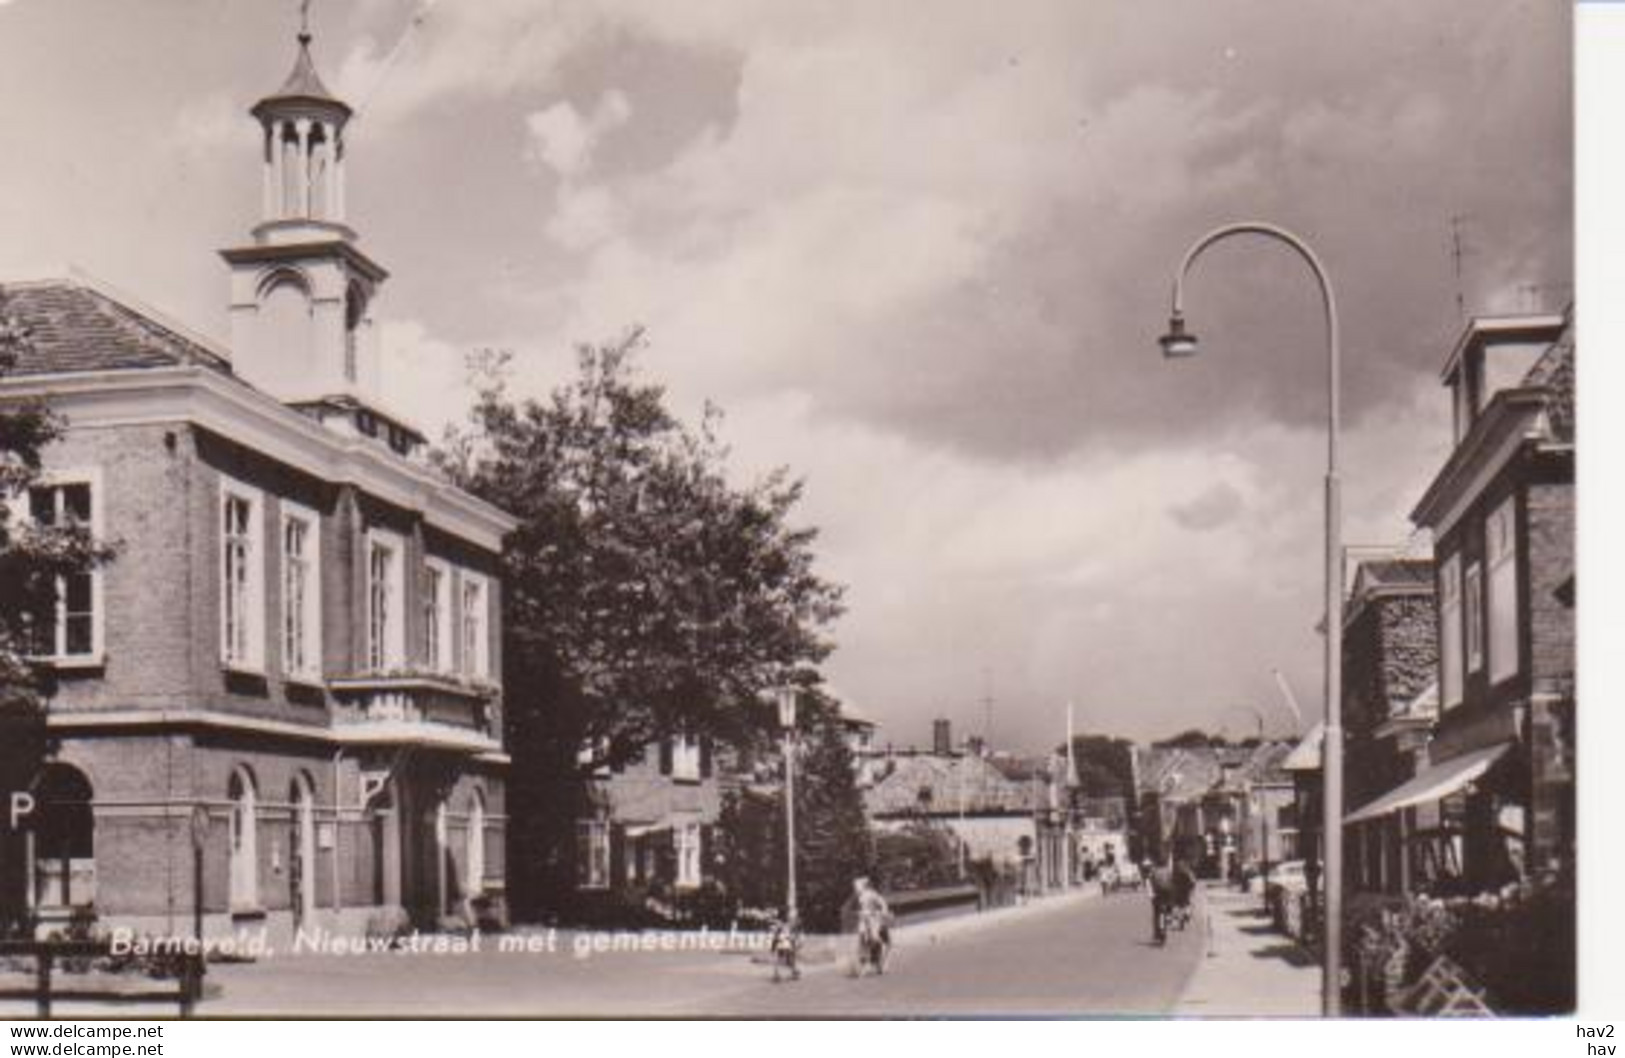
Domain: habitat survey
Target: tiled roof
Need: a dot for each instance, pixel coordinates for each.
(929, 782)
(1191, 773)
(71, 325)
(1555, 372)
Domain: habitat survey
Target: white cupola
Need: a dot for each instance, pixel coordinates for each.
(301, 292)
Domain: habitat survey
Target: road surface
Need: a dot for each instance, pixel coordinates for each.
(1063, 955)
(1073, 957)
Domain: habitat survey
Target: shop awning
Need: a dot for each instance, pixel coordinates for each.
(1433, 784)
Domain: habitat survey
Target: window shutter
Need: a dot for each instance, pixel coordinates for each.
(665, 756)
(705, 758)
(617, 855)
(707, 848)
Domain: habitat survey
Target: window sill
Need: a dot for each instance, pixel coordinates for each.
(304, 680)
(72, 662)
(250, 914)
(236, 668)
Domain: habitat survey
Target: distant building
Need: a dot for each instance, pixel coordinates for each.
(1000, 808)
(1216, 806)
(1390, 658)
(651, 823)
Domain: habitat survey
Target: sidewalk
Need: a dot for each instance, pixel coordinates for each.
(1249, 969)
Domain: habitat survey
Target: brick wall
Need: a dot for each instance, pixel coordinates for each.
(1550, 551)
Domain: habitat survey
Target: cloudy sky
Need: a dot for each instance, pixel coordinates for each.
(918, 251)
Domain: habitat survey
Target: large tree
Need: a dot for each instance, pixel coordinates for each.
(645, 593)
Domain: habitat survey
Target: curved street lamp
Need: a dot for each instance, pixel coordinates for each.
(1179, 343)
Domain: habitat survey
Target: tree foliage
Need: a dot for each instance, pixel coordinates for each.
(32, 559)
(644, 593)
(833, 842)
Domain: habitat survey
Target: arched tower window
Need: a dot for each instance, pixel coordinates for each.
(244, 833)
(285, 304)
(64, 839)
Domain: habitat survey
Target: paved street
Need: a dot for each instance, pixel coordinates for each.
(1070, 955)
(1090, 956)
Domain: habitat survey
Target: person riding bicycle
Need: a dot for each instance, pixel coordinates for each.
(1163, 897)
(874, 916)
(1184, 886)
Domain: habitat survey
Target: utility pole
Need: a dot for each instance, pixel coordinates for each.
(787, 718)
(1459, 251)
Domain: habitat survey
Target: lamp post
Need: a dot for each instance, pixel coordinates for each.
(1179, 343)
(787, 720)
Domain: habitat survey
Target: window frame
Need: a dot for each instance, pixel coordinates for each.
(684, 749)
(1502, 638)
(439, 653)
(592, 836)
(1472, 601)
(310, 619)
(474, 640)
(22, 514)
(386, 642)
(253, 604)
(688, 843)
(1452, 670)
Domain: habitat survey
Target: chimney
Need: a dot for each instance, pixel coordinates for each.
(942, 742)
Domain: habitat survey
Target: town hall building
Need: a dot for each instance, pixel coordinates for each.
(279, 703)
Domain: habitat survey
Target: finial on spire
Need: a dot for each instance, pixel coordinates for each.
(304, 23)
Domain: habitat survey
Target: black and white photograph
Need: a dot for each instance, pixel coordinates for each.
(756, 509)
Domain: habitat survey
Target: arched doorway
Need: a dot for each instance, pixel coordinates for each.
(245, 862)
(302, 849)
(64, 839)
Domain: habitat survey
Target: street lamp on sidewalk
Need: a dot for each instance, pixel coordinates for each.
(787, 720)
(1179, 343)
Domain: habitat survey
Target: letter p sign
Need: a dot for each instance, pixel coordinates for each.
(22, 804)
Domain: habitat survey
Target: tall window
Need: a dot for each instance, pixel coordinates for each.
(685, 758)
(301, 592)
(1473, 604)
(74, 630)
(242, 633)
(437, 616)
(476, 641)
(1450, 644)
(688, 855)
(384, 627)
(592, 854)
(1501, 553)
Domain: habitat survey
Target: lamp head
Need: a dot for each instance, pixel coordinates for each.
(1178, 343)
